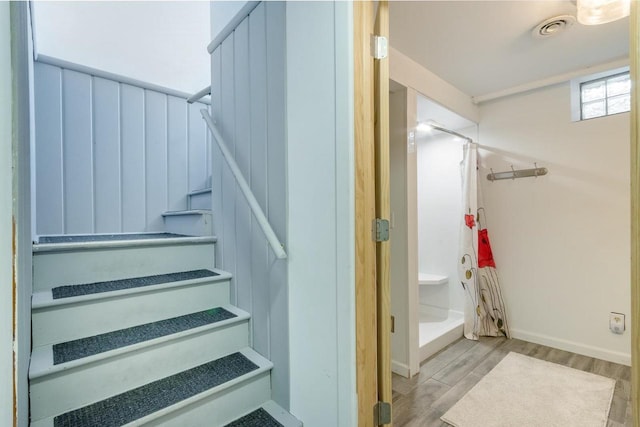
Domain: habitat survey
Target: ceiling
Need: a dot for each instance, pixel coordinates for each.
(482, 47)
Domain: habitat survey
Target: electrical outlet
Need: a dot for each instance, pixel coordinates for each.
(616, 322)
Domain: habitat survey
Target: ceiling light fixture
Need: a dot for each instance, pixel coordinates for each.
(424, 126)
(595, 12)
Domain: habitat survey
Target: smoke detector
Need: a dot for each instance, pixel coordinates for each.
(552, 26)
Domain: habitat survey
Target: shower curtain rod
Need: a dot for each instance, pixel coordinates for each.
(450, 132)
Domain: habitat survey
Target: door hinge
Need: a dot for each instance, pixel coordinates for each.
(379, 47)
(381, 230)
(382, 413)
(393, 324)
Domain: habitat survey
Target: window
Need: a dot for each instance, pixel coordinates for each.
(605, 96)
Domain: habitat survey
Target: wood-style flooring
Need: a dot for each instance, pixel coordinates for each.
(448, 375)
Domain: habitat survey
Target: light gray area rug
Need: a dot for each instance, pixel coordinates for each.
(526, 392)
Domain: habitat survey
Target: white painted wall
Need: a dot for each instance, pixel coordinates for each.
(158, 42)
(439, 213)
(6, 192)
(320, 226)
(561, 242)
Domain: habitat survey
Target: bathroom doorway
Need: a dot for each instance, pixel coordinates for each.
(427, 299)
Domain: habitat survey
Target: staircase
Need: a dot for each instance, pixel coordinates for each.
(138, 329)
(196, 220)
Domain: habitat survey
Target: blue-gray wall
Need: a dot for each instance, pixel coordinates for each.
(248, 105)
(112, 157)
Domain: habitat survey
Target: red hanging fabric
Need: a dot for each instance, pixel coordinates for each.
(485, 256)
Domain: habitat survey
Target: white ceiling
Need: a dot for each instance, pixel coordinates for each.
(483, 47)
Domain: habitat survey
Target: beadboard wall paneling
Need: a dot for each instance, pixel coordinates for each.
(248, 105)
(112, 157)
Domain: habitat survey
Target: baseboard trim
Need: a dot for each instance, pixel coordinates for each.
(400, 369)
(574, 347)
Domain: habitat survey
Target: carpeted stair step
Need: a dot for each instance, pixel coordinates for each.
(196, 222)
(135, 282)
(93, 368)
(68, 260)
(199, 199)
(122, 303)
(269, 414)
(85, 347)
(257, 418)
(208, 394)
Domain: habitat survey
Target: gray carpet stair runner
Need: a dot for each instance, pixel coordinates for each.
(68, 291)
(84, 347)
(107, 237)
(257, 418)
(149, 398)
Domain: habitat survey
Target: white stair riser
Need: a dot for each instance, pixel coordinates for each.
(221, 408)
(56, 268)
(200, 201)
(63, 323)
(74, 388)
(190, 225)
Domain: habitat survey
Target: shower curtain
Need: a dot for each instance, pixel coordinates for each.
(484, 313)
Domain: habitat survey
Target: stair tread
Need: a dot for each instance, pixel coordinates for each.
(84, 347)
(42, 357)
(107, 237)
(156, 396)
(43, 300)
(68, 291)
(257, 418)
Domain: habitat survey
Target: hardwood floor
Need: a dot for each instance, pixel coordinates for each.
(448, 375)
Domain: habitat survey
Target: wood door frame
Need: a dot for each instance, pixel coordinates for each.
(365, 250)
(383, 206)
(371, 130)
